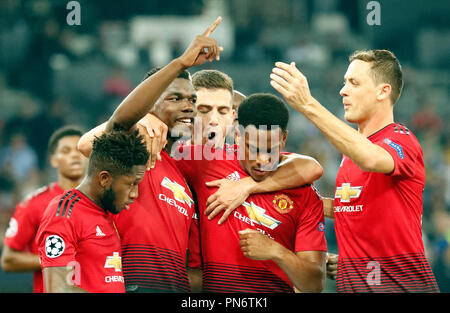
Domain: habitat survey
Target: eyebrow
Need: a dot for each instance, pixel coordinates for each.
(219, 107)
(179, 94)
(64, 146)
(255, 147)
(350, 77)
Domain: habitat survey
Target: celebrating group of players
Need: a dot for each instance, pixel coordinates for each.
(204, 214)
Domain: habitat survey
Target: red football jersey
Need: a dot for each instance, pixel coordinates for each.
(154, 232)
(24, 224)
(378, 220)
(291, 217)
(74, 231)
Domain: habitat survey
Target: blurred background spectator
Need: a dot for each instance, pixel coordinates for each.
(53, 74)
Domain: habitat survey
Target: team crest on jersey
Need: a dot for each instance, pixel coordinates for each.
(114, 261)
(346, 192)
(178, 191)
(283, 204)
(54, 246)
(258, 215)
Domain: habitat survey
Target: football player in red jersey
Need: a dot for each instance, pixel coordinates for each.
(378, 203)
(154, 233)
(78, 244)
(274, 240)
(20, 252)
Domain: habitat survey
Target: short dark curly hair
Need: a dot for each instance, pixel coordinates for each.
(65, 131)
(263, 109)
(117, 152)
(184, 74)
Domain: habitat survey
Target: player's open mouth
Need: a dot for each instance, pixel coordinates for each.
(185, 120)
(212, 132)
(211, 138)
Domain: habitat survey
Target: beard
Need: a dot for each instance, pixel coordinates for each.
(107, 201)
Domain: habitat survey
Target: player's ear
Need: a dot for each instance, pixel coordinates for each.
(54, 161)
(238, 130)
(104, 179)
(384, 92)
(284, 138)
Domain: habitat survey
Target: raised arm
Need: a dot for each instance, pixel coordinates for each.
(292, 84)
(85, 142)
(139, 102)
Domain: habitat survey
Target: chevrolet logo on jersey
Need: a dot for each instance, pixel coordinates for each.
(257, 214)
(178, 191)
(347, 192)
(114, 261)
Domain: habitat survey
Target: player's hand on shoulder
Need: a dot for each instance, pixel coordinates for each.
(202, 48)
(154, 132)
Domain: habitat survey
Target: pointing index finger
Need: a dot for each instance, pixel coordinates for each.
(211, 28)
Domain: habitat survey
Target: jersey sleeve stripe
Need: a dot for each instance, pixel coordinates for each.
(71, 206)
(67, 203)
(61, 201)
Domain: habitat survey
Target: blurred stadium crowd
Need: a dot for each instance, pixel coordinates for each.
(52, 74)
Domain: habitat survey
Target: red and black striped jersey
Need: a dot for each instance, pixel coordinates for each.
(378, 220)
(154, 232)
(76, 232)
(293, 217)
(24, 224)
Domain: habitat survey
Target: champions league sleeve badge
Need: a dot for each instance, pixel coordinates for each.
(54, 246)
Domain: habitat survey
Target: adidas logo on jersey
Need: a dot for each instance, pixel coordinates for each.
(99, 232)
(234, 176)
